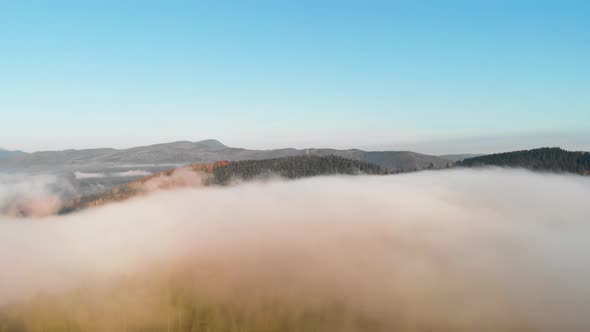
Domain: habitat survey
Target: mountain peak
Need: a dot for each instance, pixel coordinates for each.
(210, 144)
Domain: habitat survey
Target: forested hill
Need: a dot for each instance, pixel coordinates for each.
(293, 167)
(543, 159)
(223, 173)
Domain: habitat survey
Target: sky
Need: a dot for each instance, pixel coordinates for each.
(431, 76)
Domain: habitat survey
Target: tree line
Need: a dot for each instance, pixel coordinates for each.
(293, 168)
(543, 159)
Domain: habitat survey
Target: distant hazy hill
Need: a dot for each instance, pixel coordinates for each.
(223, 172)
(543, 159)
(209, 151)
(6, 153)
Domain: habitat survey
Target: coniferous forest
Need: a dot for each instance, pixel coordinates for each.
(293, 167)
(543, 159)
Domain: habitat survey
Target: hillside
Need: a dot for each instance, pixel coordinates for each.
(202, 152)
(543, 159)
(292, 168)
(460, 157)
(223, 173)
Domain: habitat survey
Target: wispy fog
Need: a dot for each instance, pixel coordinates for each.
(82, 175)
(126, 174)
(32, 195)
(133, 173)
(146, 165)
(456, 250)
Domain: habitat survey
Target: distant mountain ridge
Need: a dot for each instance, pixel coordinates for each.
(6, 153)
(542, 159)
(208, 151)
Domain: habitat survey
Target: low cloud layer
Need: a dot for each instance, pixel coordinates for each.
(32, 195)
(456, 250)
(133, 173)
(125, 174)
(83, 175)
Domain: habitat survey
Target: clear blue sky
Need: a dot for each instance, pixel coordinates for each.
(436, 76)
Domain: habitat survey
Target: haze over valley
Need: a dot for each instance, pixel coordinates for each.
(96, 170)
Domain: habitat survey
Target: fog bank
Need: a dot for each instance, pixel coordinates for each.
(484, 250)
(32, 195)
